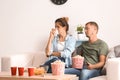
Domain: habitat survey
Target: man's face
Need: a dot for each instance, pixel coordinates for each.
(90, 30)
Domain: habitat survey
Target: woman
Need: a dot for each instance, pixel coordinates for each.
(60, 46)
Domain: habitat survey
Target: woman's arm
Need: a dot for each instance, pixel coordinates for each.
(49, 44)
(69, 47)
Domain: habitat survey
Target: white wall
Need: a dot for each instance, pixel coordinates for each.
(25, 24)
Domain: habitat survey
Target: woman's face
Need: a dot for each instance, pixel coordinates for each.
(60, 28)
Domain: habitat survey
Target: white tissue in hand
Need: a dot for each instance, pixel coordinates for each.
(56, 32)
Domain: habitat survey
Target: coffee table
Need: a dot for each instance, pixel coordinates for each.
(7, 76)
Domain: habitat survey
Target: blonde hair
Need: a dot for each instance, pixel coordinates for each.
(66, 18)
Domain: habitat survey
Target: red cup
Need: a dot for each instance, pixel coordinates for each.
(13, 71)
(20, 71)
(30, 71)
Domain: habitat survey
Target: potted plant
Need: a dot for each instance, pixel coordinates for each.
(80, 29)
(80, 34)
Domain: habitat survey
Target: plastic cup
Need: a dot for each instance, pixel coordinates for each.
(20, 71)
(30, 71)
(13, 71)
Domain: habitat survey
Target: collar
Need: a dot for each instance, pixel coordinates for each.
(65, 37)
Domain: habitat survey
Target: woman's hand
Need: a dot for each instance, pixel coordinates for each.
(56, 54)
(47, 55)
(52, 33)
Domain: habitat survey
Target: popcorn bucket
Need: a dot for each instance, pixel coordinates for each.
(77, 62)
(58, 67)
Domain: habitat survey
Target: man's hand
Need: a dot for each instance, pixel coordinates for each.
(90, 66)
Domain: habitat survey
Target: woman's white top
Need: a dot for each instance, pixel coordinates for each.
(61, 46)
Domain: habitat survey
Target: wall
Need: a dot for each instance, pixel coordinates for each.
(25, 24)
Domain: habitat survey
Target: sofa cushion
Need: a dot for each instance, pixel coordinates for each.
(0, 64)
(117, 51)
(113, 53)
(25, 60)
(110, 55)
(16, 60)
(39, 59)
(113, 69)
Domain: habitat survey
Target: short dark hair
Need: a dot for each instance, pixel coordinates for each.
(63, 22)
(92, 23)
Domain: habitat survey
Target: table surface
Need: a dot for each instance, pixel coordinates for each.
(7, 76)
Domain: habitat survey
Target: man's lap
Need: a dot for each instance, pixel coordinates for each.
(84, 74)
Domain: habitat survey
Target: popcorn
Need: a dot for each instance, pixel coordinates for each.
(39, 71)
(58, 67)
(77, 62)
(77, 56)
(58, 62)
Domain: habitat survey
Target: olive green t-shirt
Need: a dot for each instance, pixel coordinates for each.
(92, 51)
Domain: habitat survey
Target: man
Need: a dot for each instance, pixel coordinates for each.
(94, 52)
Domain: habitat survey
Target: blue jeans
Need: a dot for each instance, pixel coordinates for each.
(84, 74)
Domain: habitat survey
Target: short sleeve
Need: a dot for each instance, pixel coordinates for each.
(104, 49)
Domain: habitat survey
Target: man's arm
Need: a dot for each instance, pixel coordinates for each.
(100, 64)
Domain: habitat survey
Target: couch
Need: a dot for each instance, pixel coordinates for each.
(35, 59)
(25, 60)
